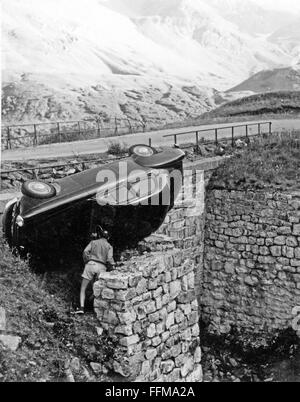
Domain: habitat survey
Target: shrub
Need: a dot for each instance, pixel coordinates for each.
(117, 148)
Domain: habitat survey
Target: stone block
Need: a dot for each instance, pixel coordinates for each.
(156, 341)
(296, 230)
(150, 307)
(110, 317)
(197, 355)
(128, 317)
(124, 329)
(171, 306)
(116, 282)
(129, 340)
(10, 341)
(280, 240)
(2, 319)
(124, 295)
(170, 320)
(167, 366)
(151, 354)
(151, 330)
(187, 367)
(107, 293)
(142, 286)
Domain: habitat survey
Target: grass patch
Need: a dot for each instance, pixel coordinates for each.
(117, 148)
(37, 310)
(270, 161)
(283, 103)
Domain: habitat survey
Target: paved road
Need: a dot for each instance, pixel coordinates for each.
(101, 144)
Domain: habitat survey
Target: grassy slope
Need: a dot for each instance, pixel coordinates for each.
(285, 104)
(279, 79)
(37, 309)
(271, 162)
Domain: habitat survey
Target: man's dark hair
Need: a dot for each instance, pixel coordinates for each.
(102, 233)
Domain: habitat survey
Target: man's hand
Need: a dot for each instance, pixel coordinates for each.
(110, 267)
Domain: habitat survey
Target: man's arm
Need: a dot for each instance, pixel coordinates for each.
(86, 253)
(110, 256)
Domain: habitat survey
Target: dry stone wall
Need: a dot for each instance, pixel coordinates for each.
(151, 302)
(251, 275)
(151, 306)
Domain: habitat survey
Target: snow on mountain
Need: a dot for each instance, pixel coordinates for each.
(253, 17)
(288, 38)
(157, 60)
(195, 30)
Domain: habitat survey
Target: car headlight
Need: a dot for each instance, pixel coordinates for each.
(19, 221)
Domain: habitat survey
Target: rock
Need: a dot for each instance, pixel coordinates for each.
(170, 320)
(124, 329)
(71, 171)
(129, 340)
(86, 375)
(233, 362)
(151, 330)
(69, 375)
(2, 319)
(11, 342)
(121, 369)
(99, 331)
(96, 367)
(167, 366)
(187, 367)
(75, 364)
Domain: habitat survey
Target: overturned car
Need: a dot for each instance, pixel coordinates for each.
(129, 198)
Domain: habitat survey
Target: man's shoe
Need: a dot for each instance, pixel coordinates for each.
(78, 311)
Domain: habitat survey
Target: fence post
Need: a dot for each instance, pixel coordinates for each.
(130, 127)
(270, 127)
(232, 136)
(175, 139)
(116, 126)
(99, 130)
(150, 142)
(8, 138)
(197, 141)
(35, 140)
(259, 131)
(79, 128)
(247, 131)
(58, 131)
(216, 136)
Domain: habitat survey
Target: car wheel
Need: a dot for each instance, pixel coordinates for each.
(7, 222)
(142, 150)
(38, 189)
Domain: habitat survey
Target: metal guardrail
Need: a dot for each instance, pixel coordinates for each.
(38, 169)
(34, 134)
(216, 131)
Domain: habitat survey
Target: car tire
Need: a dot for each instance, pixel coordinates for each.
(142, 150)
(7, 221)
(38, 189)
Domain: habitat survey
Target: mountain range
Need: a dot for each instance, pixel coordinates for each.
(152, 60)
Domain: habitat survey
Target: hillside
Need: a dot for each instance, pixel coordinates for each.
(159, 60)
(267, 163)
(51, 340)
(285, 103)
(280, 79)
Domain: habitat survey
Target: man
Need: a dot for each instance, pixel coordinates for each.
(97, 256)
